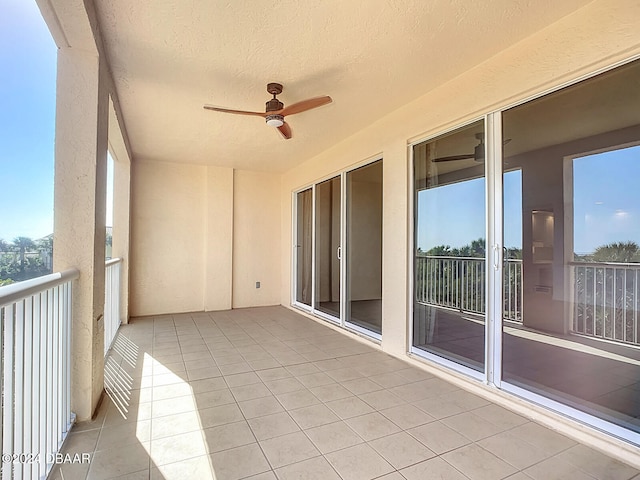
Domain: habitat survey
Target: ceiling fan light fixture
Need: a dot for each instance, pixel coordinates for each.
(275, 120)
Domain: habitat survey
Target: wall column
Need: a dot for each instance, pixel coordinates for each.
(79, 213)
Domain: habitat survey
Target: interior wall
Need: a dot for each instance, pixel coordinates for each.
(594, 37)
(365, 241)
(256, 239)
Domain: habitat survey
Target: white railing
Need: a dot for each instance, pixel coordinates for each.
(35, 337)
(111, 302)
(606, 300)
(460, 283)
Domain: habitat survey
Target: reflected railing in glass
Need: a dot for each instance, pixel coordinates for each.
(459, 283)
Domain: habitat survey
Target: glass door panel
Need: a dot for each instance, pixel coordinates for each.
(576, 336)
(328, 249)
(364, 242)
(303, 255)
(450, 254)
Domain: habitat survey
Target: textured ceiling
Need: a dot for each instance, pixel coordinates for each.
(169, 57)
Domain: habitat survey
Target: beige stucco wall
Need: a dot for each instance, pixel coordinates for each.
(256, 239)
(594, 37)
(167, 237)
(201, 237)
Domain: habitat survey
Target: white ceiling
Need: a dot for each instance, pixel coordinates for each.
(169, 57)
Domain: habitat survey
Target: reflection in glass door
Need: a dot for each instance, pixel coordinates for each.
(576, 337)
(328, 248)
(450, 253)
(303, 253)
(364, 242)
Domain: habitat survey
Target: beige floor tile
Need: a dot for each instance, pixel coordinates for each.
(472, 426)
(334, 436)
(597, 464)
(210, 417)
(213, 398)
(230, 435)
(438, 437)
(174, 424)
(315, 379)
(171, 391)
(178, 447)
(234, 368)
(194, 468)
(259, 407)
(360, 462)
(201, 373)
(435, 468)
(407, 416)
(273, 425)
(124, 434)
(316, 468)
(330, 392)
(349, 407)
(382, 399)
(284, 385)
(478, 464)
(273, 374)
(240, 379)
(239, 462)
(546, 440)
(174, 405)
(72, 471)
(302, 369)
(119, 461)
(81, 441)
(389, 380)
(344, 374)
(556, 469)
(500, 416)
(207, 385)
(297, 399)
(513, 450)
(249, 392)
(313, 416)
(361, 385)
(401, 450)
(288, 449)
(372, 426)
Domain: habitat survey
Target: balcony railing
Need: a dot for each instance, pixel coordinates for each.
(35, 337)
(460, 282)
(607, 300)
(111, 302)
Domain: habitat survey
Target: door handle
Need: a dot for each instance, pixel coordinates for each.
(339, 252)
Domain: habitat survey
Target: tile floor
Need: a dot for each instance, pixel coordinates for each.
(267, 394)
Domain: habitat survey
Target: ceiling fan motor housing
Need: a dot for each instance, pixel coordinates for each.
(274, 105)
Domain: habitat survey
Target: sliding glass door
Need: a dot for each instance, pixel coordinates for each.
(328, 248)
(338, 249)
(527, 251)
(450, 252)
(364, 247)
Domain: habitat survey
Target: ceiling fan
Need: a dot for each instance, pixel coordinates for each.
(276, 111)
(477, 155)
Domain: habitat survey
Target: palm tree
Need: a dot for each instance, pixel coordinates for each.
(618, 252)
(22, 244)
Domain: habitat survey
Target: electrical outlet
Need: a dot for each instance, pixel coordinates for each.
(257, 284)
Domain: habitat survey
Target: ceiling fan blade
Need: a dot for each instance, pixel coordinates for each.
(285, 130)
(305, 105)
(453, 157)
(238, 112)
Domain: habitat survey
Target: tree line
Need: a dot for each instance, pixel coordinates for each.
(25, 258)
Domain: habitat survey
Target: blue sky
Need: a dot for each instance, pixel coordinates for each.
(27, 97)
(28, 58)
